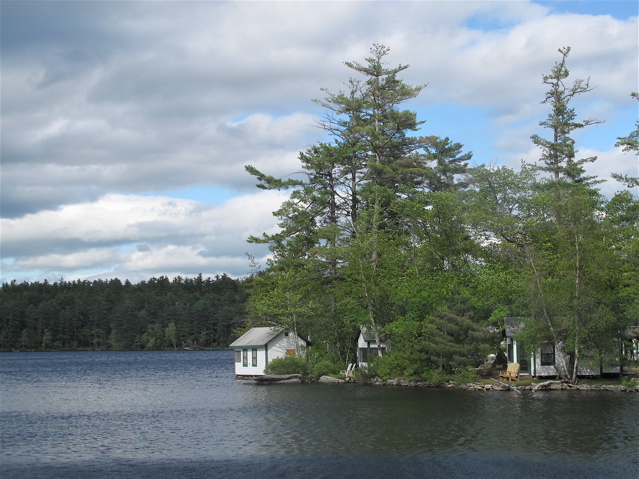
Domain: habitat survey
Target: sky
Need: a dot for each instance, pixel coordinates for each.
(126, 125)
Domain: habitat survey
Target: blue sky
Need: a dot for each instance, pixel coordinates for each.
(126, 125)
(615, 8)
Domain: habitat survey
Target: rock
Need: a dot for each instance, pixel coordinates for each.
(329, 379)
(277, 378)
(281, 381)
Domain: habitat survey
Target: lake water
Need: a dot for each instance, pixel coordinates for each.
(183, 414)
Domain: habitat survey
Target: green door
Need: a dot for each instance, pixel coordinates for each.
(522, 359)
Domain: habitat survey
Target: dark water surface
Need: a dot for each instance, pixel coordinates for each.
(183, 414)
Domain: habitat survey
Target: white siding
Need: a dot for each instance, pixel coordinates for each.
(275, 348)
(363, 344)
(278, 346)
(250, 370)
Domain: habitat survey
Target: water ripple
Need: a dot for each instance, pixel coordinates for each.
(97, 412)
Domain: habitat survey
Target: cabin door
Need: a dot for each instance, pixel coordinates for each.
(522, 359)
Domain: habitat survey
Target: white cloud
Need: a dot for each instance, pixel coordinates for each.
(81, 260)
(613, 161)
(103, 102)
(176, 234)
(607, 162)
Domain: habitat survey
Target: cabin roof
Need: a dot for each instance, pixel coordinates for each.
(369, 336)
(256, 337)
(513, 325)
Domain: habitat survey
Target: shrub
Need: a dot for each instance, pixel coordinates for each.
(465, 375)
(392, 365)
(287, 365)
(364, 374)
(324, 368)
(436, 377)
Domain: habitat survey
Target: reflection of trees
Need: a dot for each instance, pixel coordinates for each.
(343, 420)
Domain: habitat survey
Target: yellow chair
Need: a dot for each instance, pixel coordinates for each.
(511, 373)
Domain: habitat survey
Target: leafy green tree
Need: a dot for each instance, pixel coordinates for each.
(170, 334)
(571, 255)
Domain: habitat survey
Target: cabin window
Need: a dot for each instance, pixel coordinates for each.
(254, 358)
(547, 354)
(286, 334)
(374, 352)
(245, 357)
(363, 355)
(238, 356)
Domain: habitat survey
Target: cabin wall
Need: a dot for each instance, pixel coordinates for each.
(366, 349)
(530, 363)
(282, 345)
(537, 368)
(249, 369)
(278, 347)
(541, 370)
(594, 367)
(251, 360)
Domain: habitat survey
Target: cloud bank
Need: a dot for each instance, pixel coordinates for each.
(114, 113)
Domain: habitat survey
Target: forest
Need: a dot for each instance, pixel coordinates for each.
(393, 229)
(103, 315)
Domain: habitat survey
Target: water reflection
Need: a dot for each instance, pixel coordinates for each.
(351, 419)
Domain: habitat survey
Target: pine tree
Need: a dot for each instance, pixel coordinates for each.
(558, 153)
(629, 143)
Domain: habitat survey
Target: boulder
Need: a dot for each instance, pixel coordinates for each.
(329, 379)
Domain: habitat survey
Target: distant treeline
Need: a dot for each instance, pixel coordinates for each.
(154, 314)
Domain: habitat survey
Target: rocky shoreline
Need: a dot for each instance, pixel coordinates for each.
(498, 386)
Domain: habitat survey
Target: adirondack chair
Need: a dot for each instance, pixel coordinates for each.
(511, 373)
(349, 371)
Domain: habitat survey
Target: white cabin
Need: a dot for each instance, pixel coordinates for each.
(259, 346)
(367, 348)
(541, 362)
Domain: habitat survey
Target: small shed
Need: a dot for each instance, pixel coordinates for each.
(367, 348)
(259, 346)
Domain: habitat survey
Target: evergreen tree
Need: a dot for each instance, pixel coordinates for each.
(629, 143)
(345, 199)
(558, 153)
(450, 164)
